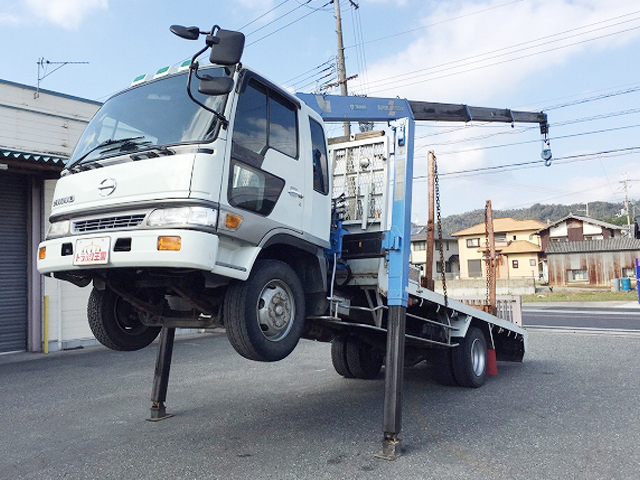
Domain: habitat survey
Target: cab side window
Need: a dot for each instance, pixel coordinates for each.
(265, 119)
(319, 158)
(250, 129)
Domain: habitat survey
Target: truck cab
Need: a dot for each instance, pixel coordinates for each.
(180, 203)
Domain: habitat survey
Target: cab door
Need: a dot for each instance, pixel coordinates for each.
(266, 175)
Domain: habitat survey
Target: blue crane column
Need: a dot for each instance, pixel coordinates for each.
(397, 246)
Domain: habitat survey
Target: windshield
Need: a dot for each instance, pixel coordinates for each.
(156, 114)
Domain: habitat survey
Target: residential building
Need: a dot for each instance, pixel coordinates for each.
(591, 262)
(516, 243)
(38, 131)
(449, 250)
(573, 228)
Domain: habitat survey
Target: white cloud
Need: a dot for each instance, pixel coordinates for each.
(9, 19)
(451, 59)
(65, 13)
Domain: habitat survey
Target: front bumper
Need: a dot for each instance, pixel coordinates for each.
(198, 250)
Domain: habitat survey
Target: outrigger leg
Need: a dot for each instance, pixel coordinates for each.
(161, 376)
(394, 380)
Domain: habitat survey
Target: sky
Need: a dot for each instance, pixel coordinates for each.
(576, 60)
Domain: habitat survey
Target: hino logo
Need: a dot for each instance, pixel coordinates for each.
(64, 200)
(107, 187)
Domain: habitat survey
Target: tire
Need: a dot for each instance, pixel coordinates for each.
(442, 362)
(264, 316)
(339, 356)
(363, 361)
(116, 324)
(470, 359)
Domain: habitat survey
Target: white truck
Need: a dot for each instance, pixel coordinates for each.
(223, 205)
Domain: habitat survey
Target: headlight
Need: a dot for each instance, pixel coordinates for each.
(58, 229)
(202, 216)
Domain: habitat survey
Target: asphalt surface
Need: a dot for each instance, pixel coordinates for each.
(569, 411)
(574, 316)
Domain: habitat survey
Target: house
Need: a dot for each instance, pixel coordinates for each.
(449, 249)
(591, 262)
(573, 228)
(590, 252)
(517, 248)
(38, 130)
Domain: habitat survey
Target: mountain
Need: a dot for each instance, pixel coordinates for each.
(604, 211)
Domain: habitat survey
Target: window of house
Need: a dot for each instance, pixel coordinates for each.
(577, 275)
(500, 237)
(319, 156)
(473, 242)
(628, 272)
(514, 237)
(420, 245)
(532, 262)
(514, 263)
(475, 268)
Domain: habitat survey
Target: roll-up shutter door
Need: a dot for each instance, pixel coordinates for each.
(13, 262)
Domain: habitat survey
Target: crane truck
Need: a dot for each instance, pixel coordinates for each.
(221, 204)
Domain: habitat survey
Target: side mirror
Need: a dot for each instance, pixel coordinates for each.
(189, 33)
(215, 85)
(226, 47)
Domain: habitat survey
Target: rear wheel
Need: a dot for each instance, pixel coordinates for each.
(363, 361)
(339, 356)
(442, 362)
(116, 323)
(264, 316)
(470, 359)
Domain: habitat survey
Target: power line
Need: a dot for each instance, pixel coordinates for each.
(263, 15)
(382, 84)
(489, 147)
(288, 24)
(558, 160)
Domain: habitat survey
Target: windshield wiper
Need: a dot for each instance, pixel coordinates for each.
(120, 142)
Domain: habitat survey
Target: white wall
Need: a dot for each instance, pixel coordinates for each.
(68, 326)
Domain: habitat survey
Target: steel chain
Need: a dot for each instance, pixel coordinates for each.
(439, 226)
(487, 252)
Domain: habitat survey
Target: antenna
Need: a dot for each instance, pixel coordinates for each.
(43, 65)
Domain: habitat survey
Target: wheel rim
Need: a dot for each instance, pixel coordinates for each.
(275, 310)
(127, 318)
(478, 357)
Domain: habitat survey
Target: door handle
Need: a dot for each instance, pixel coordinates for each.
(294, 192)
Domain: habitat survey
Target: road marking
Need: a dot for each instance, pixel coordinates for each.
(584, 330)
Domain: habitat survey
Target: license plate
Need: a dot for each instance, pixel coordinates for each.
(92, 251)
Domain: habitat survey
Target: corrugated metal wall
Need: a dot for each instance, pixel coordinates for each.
(13, 262)
(601, 267)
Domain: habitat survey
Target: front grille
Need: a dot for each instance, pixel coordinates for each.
(108, 223)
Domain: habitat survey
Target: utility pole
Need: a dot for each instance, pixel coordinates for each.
(625, 182)
(342, 70)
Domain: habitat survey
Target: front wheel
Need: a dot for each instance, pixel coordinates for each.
(116, 323)
(470, 359)
(264, 316)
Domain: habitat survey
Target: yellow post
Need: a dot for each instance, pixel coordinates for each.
(45, 329)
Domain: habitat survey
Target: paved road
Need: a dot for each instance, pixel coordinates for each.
(615, 316)
(569, 411)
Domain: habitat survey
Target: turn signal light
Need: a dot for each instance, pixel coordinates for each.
(42, 253)
(169, 243)
(232, 221)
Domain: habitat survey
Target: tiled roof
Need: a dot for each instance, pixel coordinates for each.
(501, 225)
(586, 246)
(521, 246)
(52, 159)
